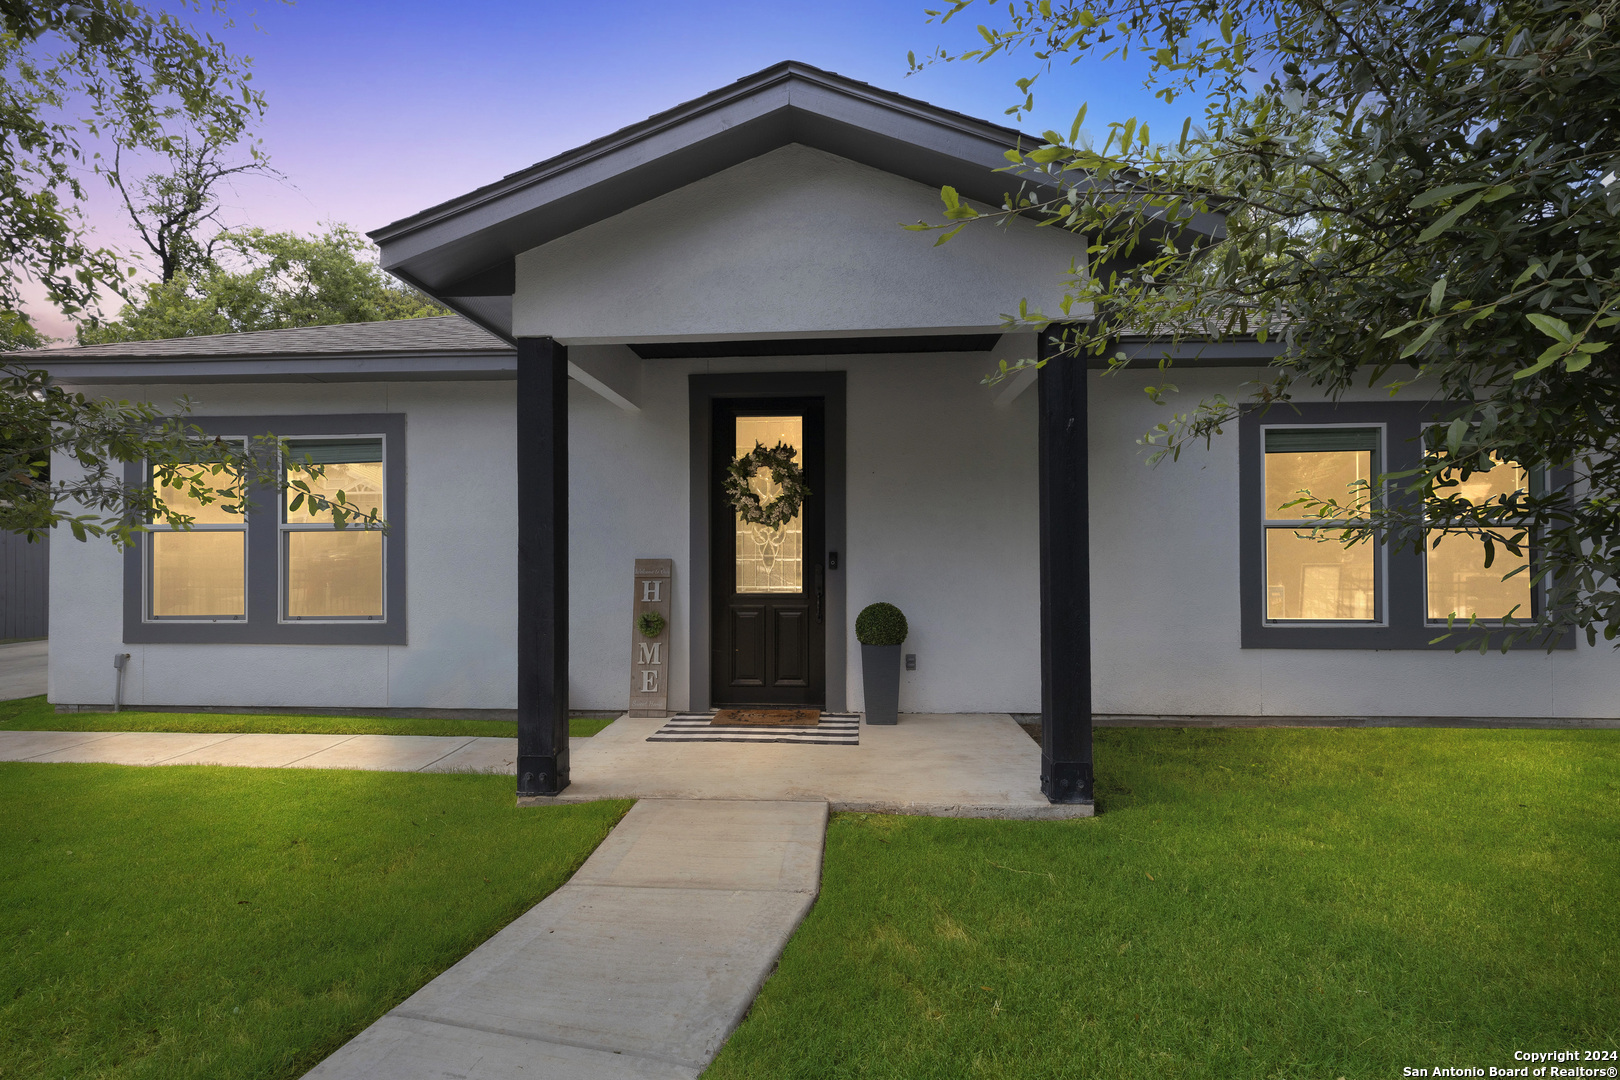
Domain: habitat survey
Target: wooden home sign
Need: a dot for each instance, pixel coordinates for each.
(649, 656)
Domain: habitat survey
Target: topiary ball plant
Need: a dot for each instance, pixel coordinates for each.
(880, 624)
(651, 624)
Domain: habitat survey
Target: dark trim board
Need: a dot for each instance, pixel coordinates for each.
(838, 346)
(702, 391)
(264, 581)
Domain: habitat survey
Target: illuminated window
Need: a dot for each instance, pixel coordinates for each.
(1311, 578)
(332, 573)
(198, 573)
(1457, 581)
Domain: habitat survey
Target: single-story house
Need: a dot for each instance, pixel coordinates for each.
(640, 310)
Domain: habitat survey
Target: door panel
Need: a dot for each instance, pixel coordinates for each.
(766, 611)
(791, 652)
(748, 646)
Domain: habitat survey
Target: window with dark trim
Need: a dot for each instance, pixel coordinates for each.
(1305, 592)
(282, 574)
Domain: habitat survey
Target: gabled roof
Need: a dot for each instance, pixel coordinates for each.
(461, 251)
(401, 349)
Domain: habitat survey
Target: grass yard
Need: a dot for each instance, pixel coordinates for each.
(197, 922)
(36, 714)
(1271, 903)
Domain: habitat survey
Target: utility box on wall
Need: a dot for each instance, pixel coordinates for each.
(649, 655)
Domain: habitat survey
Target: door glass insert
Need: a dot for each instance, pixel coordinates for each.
(770, 560)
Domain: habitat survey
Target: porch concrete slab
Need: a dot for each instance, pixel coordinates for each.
(385, 753)
(260, 751)
(136, 748)
(25, 745)
(484, 754)
(615, 975)
(23, 669)
(979, 765)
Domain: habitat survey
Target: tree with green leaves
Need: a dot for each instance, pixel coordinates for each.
(1418, 195)
(75, 76)
(268, 281)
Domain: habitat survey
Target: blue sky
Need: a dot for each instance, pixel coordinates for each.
(378, 110)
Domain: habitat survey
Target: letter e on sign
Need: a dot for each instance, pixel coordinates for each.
(649, 680)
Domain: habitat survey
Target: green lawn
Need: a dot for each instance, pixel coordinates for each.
(36, 714)
(1251, 903)
(197, 922)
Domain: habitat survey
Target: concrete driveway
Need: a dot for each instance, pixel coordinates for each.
(22, 669)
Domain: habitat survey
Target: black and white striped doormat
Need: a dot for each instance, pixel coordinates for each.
(835, 729)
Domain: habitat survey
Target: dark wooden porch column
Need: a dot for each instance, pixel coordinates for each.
(542, 505)
(1066, 775)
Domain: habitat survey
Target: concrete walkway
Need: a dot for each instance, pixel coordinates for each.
(23, 669)
(639, 967)
(385, 753)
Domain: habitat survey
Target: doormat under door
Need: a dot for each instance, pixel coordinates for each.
(766, 717)
(834, 729)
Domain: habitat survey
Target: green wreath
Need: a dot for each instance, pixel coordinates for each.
(785, 473)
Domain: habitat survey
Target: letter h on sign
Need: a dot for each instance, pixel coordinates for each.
(649, 657)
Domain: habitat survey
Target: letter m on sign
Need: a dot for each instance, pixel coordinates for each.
(650, 652)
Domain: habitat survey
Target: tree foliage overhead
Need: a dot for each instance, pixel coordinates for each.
(76, 74)
(268, 281)
(1419, 195)
(97, 436)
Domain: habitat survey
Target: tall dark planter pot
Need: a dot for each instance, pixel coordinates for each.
(880, 672)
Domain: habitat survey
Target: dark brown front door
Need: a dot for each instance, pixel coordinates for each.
(767, 613)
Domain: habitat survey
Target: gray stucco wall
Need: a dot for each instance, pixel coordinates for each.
(941, 520)
(795, 242)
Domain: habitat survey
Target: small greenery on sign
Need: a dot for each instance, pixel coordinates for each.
(881, 624)
(651, 624)
(784, 472)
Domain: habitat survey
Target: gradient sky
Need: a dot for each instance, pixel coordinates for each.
(378, 110)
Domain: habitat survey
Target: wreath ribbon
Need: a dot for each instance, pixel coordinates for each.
(784, 472)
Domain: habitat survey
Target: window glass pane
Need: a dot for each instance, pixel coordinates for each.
(1324, 473)
(176, 499)
(198, 574)
(335, 573)
(352, 466)
(1460, 584)
(1318, 580)
(1480, 487)
(770, 560)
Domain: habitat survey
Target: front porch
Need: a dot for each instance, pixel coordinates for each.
(959, 765)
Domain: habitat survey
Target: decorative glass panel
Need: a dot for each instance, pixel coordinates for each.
(335, 573)
(1460, 584)
(198, 575)
(770, 560)
(213, 513)
(352, 466)
(1318, 580)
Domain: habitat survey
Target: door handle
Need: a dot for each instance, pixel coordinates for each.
(821, 592)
